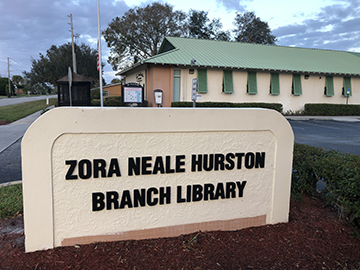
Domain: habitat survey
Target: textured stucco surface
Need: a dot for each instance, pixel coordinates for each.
(73, 215)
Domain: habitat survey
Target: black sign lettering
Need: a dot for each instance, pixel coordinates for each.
(249, 160)
(241, 187)
(196, 163)
(85, 169)
(209, 192)
(230, 190)
(112, 199)
(145, 165)
(152, 196)
(159, 165)
(197, 192)
(179, 198)
(180, 162)
(219, 162)
(220, 192)
(208, 162)
(99, 167)
(133, 166)
(150, 200)
(98, 203)
(165, 195)
(70, 173)
(230, 161)
(239, 157)
(260, 160)
(114, 168)
(139, 197)
(126, 199)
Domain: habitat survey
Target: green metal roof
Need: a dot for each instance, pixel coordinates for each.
(221, 54)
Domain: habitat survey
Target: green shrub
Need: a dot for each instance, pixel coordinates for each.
(112, 101)
(316, 109)
(338, 172)
(95, 94)
(275, 106)
(304, 179)
(95, 102)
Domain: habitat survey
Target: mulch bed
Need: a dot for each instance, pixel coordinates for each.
(314, 238)
(3, 123)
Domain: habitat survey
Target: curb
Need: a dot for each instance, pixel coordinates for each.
(10, 183)
(324, 118)
(2, 150)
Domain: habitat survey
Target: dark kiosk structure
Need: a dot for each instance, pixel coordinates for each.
(80, 91)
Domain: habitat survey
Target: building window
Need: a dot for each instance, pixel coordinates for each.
(228, 85)
(176, 85)
(252, 84)
(202, 81)
(347, 86)
(275, 84)
(329, 86)
(296, 85)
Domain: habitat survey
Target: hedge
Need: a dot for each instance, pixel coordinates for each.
(112, 102)
(108, 102)
(274, 106)
(338, 172)
(317, 109)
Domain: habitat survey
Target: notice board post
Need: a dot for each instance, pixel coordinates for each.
(132, 95)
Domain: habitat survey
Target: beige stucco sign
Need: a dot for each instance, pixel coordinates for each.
(106, 174)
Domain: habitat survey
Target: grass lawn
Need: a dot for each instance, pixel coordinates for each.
(15, 112)
(11, 202)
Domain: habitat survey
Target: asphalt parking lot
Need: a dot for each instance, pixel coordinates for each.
(330, 135)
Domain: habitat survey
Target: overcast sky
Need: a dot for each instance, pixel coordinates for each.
(31, 27)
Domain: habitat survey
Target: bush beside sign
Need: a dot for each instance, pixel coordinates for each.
(106, 174)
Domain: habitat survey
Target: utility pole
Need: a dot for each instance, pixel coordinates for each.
(73, 45)
(9, 95)
(99, 50)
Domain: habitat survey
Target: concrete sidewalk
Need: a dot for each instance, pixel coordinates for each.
(11, 133)
(325, 118)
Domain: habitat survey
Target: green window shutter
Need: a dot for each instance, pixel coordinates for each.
(252, 84)
(275, 84)
(228, 82)
(296, 85)
(347, 85)
(329, 86)
(176, 85)
(202, 81)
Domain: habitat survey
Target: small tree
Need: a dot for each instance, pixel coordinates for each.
(54, 65)
(115, 81)
(17, 80)
(4, 87)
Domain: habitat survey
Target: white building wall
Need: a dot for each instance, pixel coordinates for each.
(312, 89)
